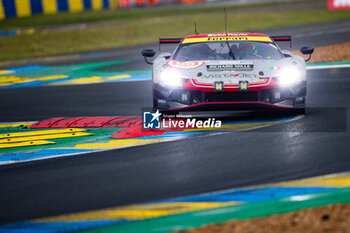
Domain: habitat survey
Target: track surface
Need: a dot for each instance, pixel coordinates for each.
(315, 145)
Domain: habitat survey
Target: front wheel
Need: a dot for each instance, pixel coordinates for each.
(301, 111)
(155, 104)
(169, 112)
(155, 101)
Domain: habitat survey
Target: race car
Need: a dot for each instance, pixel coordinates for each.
(228, 71)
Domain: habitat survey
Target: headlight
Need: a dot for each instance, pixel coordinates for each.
(289, 76)
(171, 78)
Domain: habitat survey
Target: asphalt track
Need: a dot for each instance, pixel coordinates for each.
(314, 145)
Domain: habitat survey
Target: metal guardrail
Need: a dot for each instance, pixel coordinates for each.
(25, 8)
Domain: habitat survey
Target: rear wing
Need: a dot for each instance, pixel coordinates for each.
(169, 41)
(178, 40)
(282, 39)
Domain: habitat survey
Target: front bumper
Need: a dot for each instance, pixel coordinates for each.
(188, 100)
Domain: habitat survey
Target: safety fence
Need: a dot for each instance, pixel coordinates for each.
(135, 3)
(339, 4)
(25, 8)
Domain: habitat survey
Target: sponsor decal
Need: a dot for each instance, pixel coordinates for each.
(151, 120)
(261, 82)
(338, 4)
(227, 34)
(227, 38)
(228, 67)
(185, 65)
(239, 75)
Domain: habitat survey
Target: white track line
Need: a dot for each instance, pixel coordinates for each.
(319, 33)
(319, 67)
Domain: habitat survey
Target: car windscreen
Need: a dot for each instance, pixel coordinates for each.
(227, 50)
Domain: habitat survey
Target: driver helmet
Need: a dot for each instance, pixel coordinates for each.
(202, 51)
(246, 48)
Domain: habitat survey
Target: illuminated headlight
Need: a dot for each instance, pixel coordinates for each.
(289, 76)
(171, 79)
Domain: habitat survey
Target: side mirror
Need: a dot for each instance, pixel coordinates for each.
(307, 51)
(148, 53)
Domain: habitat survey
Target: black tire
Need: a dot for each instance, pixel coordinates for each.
(155, 105)
(155, 100)
(169, 112)
(300, 111)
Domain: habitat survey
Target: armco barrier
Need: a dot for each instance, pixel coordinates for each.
(339, 4)
(24, 8)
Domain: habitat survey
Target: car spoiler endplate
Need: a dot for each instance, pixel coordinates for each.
(282, 39)
(170, 40)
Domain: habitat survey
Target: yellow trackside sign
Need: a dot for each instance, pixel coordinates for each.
(227, 38)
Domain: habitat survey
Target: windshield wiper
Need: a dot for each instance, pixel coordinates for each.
(230, 53)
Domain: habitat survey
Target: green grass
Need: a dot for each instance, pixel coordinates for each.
(135, 31)
(107, 15)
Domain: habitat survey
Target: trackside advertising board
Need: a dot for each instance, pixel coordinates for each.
(338, 4)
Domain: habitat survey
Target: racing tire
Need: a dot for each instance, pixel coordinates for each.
(169, 112)
(155, 105)
(301, 111)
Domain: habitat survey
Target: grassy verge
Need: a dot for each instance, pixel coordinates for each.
(329, 53)
(331, 218)
(249, 211)
(107, 15)
(134, 31)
